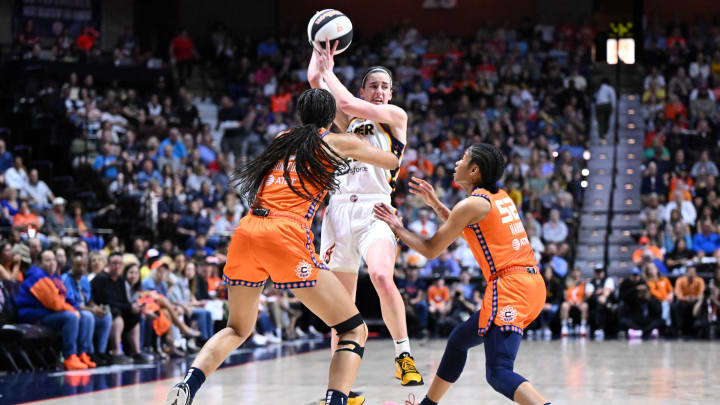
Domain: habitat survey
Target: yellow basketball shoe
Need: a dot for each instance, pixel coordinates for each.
(355, 399)
(406, 372)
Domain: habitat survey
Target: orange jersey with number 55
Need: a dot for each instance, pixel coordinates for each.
(499, 241)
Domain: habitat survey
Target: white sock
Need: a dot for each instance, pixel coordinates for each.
(583, 323)
(402, 346)
(564, 324)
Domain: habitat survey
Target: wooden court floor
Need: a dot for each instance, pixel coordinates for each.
(565, 371)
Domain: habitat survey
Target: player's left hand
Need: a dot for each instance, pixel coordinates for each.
(387, 214)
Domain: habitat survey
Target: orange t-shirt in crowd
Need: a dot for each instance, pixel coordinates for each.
(438, 295)
(279, 102)
(638, 253)
(660, 288)
(684, 288)
(575, 295)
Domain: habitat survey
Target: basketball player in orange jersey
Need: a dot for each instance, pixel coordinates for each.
(284, 186)
(489, 221)
(349, 231)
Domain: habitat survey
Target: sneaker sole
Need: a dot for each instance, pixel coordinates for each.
(411, 383)
(177, 396)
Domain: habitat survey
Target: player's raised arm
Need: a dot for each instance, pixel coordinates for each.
(353, 106)
(352, 146)
(466, 212)
(316, 82)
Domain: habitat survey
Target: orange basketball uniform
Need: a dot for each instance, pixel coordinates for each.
(279, 245)
(515, 293)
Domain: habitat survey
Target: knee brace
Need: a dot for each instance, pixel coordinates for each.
(345, 327)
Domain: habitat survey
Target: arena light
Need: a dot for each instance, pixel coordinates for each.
(631, 97)
(631, 125)
(585, 172)
(611, 50)
(631, 141)
(631, 111)
(586, 155)
(626, 51)
(584, 184)
(555, 154)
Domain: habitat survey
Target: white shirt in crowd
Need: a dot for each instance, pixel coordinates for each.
(40, 192)
(687, 211)
(605, 95)
(555, 232)
(16, 179)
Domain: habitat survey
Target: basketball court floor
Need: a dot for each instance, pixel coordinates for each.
(565, 371)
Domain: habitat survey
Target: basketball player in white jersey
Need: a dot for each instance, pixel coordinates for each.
(350, 231)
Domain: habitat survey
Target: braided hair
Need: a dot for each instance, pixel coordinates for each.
(316, 163)
(491, 163)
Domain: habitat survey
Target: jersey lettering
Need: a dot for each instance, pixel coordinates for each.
(507, 208)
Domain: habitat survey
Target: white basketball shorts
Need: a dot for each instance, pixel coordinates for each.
(349, 228)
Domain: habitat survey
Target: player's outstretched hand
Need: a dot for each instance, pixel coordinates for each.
(424, 189)
(326, 56)
(387, 214)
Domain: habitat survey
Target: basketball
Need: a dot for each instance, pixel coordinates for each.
(333, 25)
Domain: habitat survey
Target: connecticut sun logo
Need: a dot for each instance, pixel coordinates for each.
(328, 253)
(508, 314)
(304, 270)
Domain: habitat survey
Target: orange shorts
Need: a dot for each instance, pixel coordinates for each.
(279, 247)
(512, 300)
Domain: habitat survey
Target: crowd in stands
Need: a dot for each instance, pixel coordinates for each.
(525, 90)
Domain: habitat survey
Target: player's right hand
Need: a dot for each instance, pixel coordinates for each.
(423, 189)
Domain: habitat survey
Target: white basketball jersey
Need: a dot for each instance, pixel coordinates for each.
(364, 178)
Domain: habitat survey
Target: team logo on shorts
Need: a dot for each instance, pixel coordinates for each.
(304, 270)
(508, 314)
(328, 253)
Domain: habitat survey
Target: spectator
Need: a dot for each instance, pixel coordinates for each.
(107, 164)
(559, 264)
(707, 309)
(661, 288)
(686, 208)
(37, 192)
(179, 151)
(554, 230)
(148, 174)
(438, 299)
(193, 224)
(575, 298)
(6, 158)
(704, 166)
(553, 300)
(605, 104)
(108, 288)
(688, 291)
(442, 266)
(417, 306)
(182, 53)
(182, 293)
(43, 298)
(643, 317)
(600, 301)
(646, 251)
(99, 318)
(16, 176)
(26, 222)
(707, 241)
(10, 262)
(57, 221)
